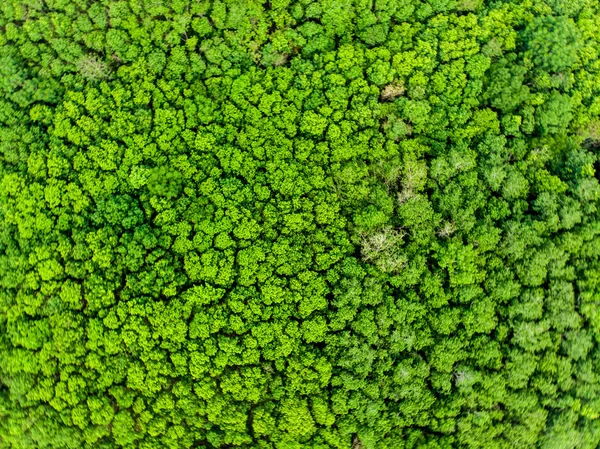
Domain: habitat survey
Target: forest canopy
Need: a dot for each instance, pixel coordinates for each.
(288, 224)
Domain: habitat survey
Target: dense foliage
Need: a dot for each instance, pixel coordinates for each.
(299, 224)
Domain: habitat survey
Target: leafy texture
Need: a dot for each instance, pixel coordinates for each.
(299, 224)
